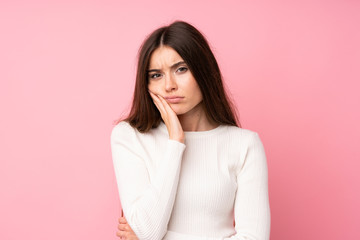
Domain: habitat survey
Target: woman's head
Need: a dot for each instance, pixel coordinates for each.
(170, 77)
(183, 47)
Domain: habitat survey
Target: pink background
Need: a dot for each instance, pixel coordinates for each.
(67, 71)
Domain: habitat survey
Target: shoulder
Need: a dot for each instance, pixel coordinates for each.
(243, 140)
(123, 125)
(242, 134)
(122, 130)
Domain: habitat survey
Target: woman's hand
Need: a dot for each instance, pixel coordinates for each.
(125, 232)
(170, 118)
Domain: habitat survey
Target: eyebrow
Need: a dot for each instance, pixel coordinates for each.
(172, 66)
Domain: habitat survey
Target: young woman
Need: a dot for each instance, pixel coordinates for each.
(185, 168)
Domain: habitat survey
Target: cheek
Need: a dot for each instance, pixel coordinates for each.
(199, 95)
(195, 90)
(152, 87)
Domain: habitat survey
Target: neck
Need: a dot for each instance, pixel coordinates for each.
(196, 120)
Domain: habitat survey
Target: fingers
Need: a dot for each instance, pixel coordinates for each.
(126, 236)
(124, 227)
(166, 105)
(125, 232)
(163, 106)
(122, 234)
(169, 117)
(160, 106)
(158, 103)
(122, 220)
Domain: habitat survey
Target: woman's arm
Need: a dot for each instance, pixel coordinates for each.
(147, 204)
(252, 209)
(124, 230)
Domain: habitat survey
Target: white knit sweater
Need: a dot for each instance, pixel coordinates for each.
(193, 191)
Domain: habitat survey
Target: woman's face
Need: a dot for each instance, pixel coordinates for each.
(169, 76)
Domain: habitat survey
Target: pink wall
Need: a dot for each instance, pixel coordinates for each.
(67, 71)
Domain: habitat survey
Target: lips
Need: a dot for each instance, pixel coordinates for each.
(173, 99)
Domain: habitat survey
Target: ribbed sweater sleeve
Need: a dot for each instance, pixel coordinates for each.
(147, 204)
(252, 210)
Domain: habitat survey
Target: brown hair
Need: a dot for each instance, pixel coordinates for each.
(192, 46)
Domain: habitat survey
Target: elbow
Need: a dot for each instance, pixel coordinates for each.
(144, 227)
(245, 237)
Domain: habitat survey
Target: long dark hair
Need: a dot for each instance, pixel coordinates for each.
(192, 46)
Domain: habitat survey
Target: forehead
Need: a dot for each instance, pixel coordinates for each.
(164, 57)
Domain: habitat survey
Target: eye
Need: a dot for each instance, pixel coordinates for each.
(182, 69)
(155, 75)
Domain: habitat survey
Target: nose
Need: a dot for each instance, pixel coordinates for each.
(170, 83)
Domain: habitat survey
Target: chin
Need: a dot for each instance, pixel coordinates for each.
(179, 110)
